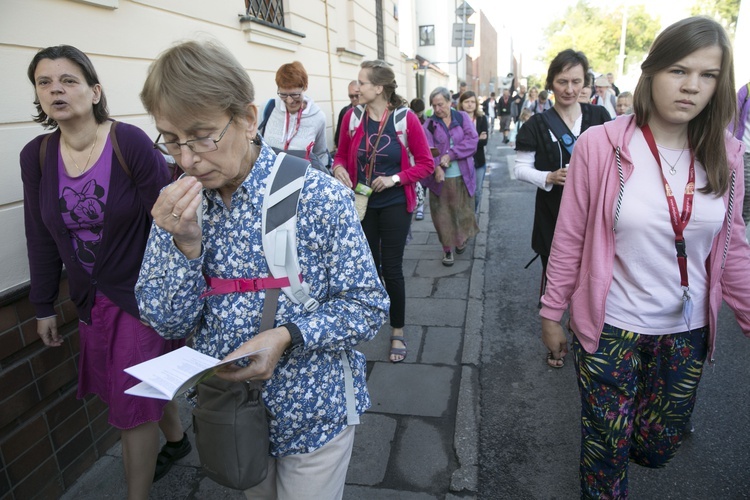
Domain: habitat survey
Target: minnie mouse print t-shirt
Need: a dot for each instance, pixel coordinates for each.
(82, 203)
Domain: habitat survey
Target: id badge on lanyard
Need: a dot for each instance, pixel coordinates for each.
(679, 221)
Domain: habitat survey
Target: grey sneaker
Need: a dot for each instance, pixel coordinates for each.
(448, 259)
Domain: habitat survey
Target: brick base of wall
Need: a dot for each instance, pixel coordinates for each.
(48, 437)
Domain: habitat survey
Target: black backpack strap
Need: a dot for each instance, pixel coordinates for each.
(559, 129)
(116, 148)
(43, 152)
(270, 105)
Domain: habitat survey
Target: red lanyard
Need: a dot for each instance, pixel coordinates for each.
(679, 220)
(370, 159)
(296, 128)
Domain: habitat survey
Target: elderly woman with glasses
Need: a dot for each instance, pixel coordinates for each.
(294, 122)
(88, 189)
(314, 384)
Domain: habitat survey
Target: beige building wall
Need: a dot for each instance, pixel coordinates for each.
(122, 37)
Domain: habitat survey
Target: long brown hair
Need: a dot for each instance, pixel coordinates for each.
(380, 73)
(705, 131)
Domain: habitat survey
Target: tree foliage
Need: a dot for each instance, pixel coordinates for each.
(724, 11)
(596, 32)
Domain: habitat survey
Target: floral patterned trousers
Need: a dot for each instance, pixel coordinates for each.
(637, 395)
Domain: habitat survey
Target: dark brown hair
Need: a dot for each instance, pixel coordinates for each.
(380, 73)
(705, 131)
(563, 61)
(101, 112)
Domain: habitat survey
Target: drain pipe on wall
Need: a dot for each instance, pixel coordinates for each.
(330, 73)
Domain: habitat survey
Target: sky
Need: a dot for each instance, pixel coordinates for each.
(527, 24)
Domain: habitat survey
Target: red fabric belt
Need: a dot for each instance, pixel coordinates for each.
(220, 286)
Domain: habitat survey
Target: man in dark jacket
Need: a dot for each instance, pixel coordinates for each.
(519, 100)
(353, 101)
(504, 113)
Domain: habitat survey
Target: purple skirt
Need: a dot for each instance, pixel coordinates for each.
(113, 341)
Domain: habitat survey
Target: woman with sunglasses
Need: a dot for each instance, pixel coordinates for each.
(295, 122)
(88, 211)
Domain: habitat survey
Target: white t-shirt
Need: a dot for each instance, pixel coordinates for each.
(645, 296)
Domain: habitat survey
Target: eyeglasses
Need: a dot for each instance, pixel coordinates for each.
(353, 96)
(294, 95)
(360, 83)
(200, 145)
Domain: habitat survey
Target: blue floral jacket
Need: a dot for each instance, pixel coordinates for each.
(306, 394)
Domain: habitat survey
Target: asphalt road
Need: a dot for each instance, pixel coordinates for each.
(529, 441)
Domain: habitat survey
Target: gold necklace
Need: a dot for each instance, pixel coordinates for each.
(672, 168)
(82, 170)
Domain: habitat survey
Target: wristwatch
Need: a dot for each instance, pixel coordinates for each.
(396, 180)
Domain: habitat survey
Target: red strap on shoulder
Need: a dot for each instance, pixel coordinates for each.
(220, 286)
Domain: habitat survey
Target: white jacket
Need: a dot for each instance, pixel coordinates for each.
(312, 129)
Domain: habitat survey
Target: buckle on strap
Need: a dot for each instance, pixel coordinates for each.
(248, 285)
(680, 247)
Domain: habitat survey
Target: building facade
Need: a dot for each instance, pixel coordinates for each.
(47, 436)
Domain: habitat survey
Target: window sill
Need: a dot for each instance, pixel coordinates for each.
(265, 33)
(109, 4)
(349, 56)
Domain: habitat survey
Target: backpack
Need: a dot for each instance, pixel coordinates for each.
(278, 223)
(399, 123)
(270, 105)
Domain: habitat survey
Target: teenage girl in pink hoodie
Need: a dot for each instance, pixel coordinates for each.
(648, 242)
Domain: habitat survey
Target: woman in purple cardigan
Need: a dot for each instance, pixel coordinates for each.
(453, 184)
(88, 191)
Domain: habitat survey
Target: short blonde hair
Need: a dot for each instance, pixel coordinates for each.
(197, 78)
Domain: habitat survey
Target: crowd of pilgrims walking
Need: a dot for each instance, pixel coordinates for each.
(391, 158)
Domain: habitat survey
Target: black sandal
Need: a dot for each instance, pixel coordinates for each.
(169, 455)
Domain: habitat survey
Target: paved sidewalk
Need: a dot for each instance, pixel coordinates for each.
(420, 438)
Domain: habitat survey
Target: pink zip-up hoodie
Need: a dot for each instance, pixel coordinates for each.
(583, 250)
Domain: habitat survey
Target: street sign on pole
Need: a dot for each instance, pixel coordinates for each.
(464, 11)
(463, 35)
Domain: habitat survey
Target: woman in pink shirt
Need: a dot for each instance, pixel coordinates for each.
(649, 240)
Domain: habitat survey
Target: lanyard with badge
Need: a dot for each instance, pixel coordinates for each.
(289, 134)
(679, 221)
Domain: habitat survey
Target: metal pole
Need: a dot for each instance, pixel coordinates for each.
(623, 32)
